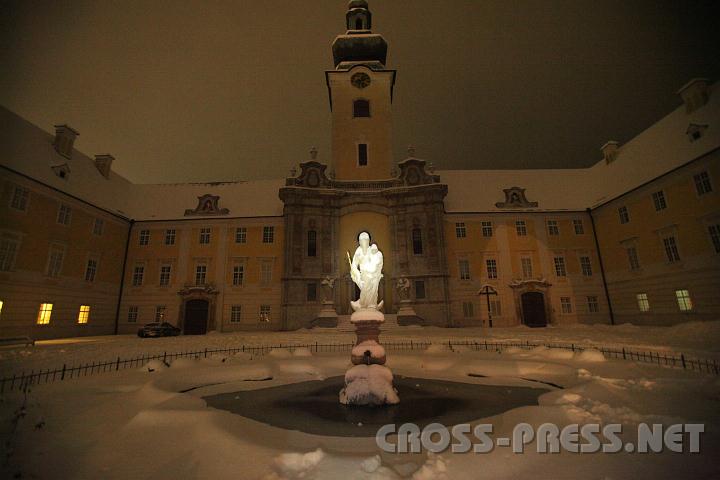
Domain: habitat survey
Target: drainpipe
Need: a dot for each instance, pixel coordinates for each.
(122, 278)
(602, 268)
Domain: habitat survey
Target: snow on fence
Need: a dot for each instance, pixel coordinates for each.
(25, 380)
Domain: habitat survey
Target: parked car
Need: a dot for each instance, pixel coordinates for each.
(157, 329)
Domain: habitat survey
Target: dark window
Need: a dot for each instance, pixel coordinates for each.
(419, 289)
(358, 24)
(311, 292)
(361, 108)
(362, 154)
(417, 241)
(311, 243)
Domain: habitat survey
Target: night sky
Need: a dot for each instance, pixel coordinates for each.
(183, 91)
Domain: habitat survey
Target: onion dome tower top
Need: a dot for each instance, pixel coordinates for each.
(359, 45)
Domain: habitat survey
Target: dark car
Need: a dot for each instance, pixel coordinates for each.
(157, 329)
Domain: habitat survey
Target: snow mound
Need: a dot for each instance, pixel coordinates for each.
(513, 350)
(436, 348)
(368, 385)
(376, 350)
(154, 366)
(280, 353)
(184, 363)
(559, 354)
(297, 465)
(369, 465)
(591, 355)
(302, 352)
(298, 368)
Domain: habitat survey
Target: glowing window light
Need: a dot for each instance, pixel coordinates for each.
(84, 314)
(44, 314)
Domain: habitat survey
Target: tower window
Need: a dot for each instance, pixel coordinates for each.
(311, 243)
(362, 154)
(361, 108)
(359, 24)
(417, 241)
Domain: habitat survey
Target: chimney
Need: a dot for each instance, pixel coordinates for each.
(610, 151)
(103, 162)
(64, 139)
(694, 94)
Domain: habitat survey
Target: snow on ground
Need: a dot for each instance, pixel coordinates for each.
(152, 422)
(700, 339)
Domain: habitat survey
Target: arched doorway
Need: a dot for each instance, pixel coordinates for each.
(533, 309)
(196, 317)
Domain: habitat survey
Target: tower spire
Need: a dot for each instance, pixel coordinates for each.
(358, 45)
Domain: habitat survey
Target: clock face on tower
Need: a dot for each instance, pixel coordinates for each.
(360, 80)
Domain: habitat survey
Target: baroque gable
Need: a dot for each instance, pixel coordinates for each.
(207, 205)
(515, 198)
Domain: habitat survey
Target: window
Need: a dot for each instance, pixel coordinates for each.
(98, 226)
(238, 275)
(241, 235)
(520, 228)
(642, 301)
(84, 314)
(560, 267)
(565, 305)
(671, 250)
(362, 154)
(552, 227)
(586, 266)
(165, 275)
(417, 241)
(491, 265)
(714, 231)
(55, 261)
(592, 304)
(684, 301)
(8, 250)
(311, 243)
(311, 292)
(19, 199)
(468, 310)
(200, 274)
(64, 215)
(170, 236)
(268, 234)
(361, 108)
(578, 226)
(1, 306)
(144, 238)
(526, 264)
(702, 183)
(419, 289)
(132, 314)
(624, 215)
(464, 266)
(138, 274)
(160, 313)
(659, 200)
(495, 308)
(265, 312)
(266, 273)
(487, 229)
(235, 313)
(205, 235)
(460, 231)
(91, 269)
(633, 258)
(44, 314)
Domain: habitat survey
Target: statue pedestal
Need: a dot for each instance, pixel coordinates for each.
(406, 314)
(327, 317)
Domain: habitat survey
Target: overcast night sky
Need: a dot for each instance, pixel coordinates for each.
(183, 91)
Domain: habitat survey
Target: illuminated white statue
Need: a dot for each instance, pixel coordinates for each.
(366, 271)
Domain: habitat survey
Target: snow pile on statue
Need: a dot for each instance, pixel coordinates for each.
(369, 385)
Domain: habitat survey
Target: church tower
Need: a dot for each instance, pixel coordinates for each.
(360, 90)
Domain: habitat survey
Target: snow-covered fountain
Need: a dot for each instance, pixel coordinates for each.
(369, 381)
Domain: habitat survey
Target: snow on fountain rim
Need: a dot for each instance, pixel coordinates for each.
(367, 315)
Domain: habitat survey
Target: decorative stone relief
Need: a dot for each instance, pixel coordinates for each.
(515, 198)
(207, 205)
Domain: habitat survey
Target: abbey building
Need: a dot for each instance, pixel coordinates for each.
(634, 238)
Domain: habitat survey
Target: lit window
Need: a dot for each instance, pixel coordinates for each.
(468, 310)
(578, 226)
(64, 215)
(55, 261)
(84, 314)
(138, 274)
(520, 228)
(586, 266)
(560, 267)
(671, 250)
(235, 313)
(200, 274)
(238, 275)
(44, 313)
(659, 200)
(132, 314)
(311, 294)
(553, 228)
(266, 273)
(165, 275)
(633, 258)
(491, 265)
(417, 241)
(419, 289)
(527, 270)
(702, 183)
(268, 234)
(361, 108)
(643, 302)
(91, 270)
(8, 251)
(169, 236)
(1, 306)
(98, 226)
(241, 235)
(205, 236)
(464, 267)
(684, 301)
(624, 215)
(460, 231)
(144, 238)
(362, 154)
(592, 304)
(311, 243)
(487, 229)
(19, 199)
(160, 313)
(265, 313)
(565, 305)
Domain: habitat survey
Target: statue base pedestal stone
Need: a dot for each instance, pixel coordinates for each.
(406, 314)
(367, 323)
(327, 317)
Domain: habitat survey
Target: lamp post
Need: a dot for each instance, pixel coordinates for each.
(488, 290)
